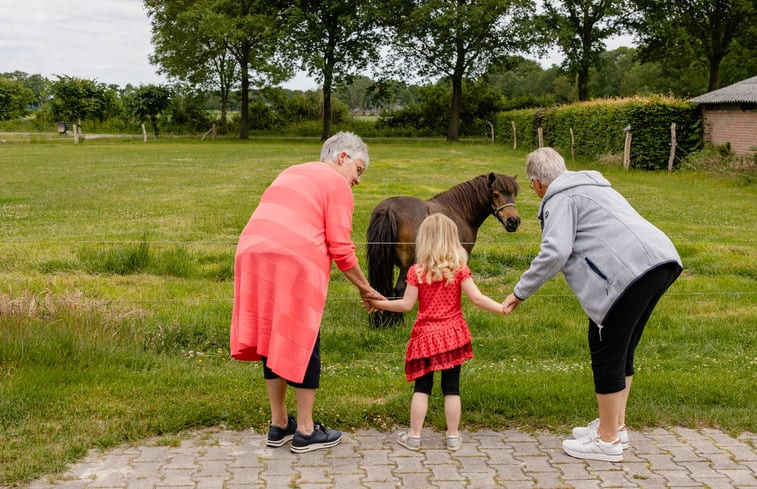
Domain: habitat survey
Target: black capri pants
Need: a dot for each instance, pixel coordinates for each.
(450, 382)
(312, 378)
(613, 343)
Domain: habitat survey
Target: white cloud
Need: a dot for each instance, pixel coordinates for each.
(108, 40)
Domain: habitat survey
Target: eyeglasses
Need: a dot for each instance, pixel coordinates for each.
(360, 167)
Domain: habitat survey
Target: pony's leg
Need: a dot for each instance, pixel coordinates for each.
(399, 288)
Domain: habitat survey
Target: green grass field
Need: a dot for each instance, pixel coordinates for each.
(116, 264)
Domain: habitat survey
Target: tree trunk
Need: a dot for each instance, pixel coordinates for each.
(245, 116)
(327, 80)
(224, 103)
(712, 84)
(583, 84)
(453, 132)
(154, 123)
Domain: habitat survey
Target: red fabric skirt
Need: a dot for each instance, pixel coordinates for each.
(418, 367)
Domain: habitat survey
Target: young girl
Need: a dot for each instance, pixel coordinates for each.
(440, 340)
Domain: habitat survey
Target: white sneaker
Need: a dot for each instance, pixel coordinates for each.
(594, 448)
(586, 432)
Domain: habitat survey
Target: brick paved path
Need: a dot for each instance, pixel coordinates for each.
(213, 459)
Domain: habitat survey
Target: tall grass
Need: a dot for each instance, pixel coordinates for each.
(116, 267)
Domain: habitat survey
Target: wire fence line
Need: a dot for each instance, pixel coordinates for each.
(505, 241)
(184, 300)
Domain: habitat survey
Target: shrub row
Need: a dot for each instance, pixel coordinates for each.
(598, 128)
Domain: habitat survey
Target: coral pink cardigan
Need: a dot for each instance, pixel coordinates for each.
(282, 266)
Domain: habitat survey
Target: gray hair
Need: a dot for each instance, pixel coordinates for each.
(545, 165)
(349, 143)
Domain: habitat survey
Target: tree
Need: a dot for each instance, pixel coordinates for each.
(201, 30)
(38, 84)
(580, 27)
(334, 40)
(15, 99)
(456, 39)
(147, 103)
(187, 51)
(679, 32)
(77, 99)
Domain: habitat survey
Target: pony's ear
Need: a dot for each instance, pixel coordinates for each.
(515, 177)
(492, 177)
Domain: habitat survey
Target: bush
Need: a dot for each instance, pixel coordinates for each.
(598, 128)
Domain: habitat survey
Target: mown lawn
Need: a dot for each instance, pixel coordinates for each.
(116, 263)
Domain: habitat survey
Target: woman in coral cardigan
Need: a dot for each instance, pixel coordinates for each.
(302, 223)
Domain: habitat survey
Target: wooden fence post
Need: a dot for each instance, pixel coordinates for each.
(540, 131)
(572, 146)
(211, 131)
(515, 139)
(672, 147)
(627, 150)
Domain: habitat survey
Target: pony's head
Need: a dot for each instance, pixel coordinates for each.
(504, 189)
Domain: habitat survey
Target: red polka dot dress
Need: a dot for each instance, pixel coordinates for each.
(440, 338)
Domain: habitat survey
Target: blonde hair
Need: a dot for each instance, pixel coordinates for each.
(439, 254)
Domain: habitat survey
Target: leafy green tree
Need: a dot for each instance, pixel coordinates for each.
(428, 114)
(15, 99)
(456, 39)
(38, 84)
(187, 49)
(77, 99)
(334, 39)
(186, 111)
(388, 94)
(579, 28)
(147, 102)
(354, 92)
(679, 33)
(249, 31)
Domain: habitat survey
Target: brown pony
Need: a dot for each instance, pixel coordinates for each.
(394, 223)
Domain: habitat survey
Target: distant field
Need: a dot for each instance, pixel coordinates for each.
(116, 262)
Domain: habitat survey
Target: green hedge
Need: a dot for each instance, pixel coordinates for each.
(598, 128)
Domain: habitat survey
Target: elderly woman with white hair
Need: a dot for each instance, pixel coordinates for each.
(302, 223)
(617, 264)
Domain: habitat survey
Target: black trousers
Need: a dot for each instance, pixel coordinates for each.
(613, 343)
(450, 382)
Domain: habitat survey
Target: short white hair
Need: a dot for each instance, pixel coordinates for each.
(348, 142)
(545, 165)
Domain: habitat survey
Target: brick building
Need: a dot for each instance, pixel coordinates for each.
(730, 116)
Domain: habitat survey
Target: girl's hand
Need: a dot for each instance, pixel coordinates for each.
(368, 304)
(510, 303)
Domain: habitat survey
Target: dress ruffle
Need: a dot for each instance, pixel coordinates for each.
(429, 340)
(418, 367)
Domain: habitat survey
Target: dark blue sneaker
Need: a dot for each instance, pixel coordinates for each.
(320, 438)
(277, 435)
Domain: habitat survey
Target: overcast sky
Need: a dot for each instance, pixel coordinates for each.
(108, 40)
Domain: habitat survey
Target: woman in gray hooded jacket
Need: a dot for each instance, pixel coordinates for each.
(617, 264)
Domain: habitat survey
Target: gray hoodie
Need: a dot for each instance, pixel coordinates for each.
(599, 242)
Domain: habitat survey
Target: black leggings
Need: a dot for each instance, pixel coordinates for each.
(450, 382)
(613, 344)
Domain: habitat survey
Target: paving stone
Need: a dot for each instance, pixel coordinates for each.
(369, 459)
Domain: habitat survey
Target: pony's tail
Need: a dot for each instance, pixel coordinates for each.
(382, 236)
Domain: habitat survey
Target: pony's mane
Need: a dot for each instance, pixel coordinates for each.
(473, 195)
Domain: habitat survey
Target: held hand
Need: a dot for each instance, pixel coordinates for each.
(372, 294)
(368, 297)
(510, 304)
